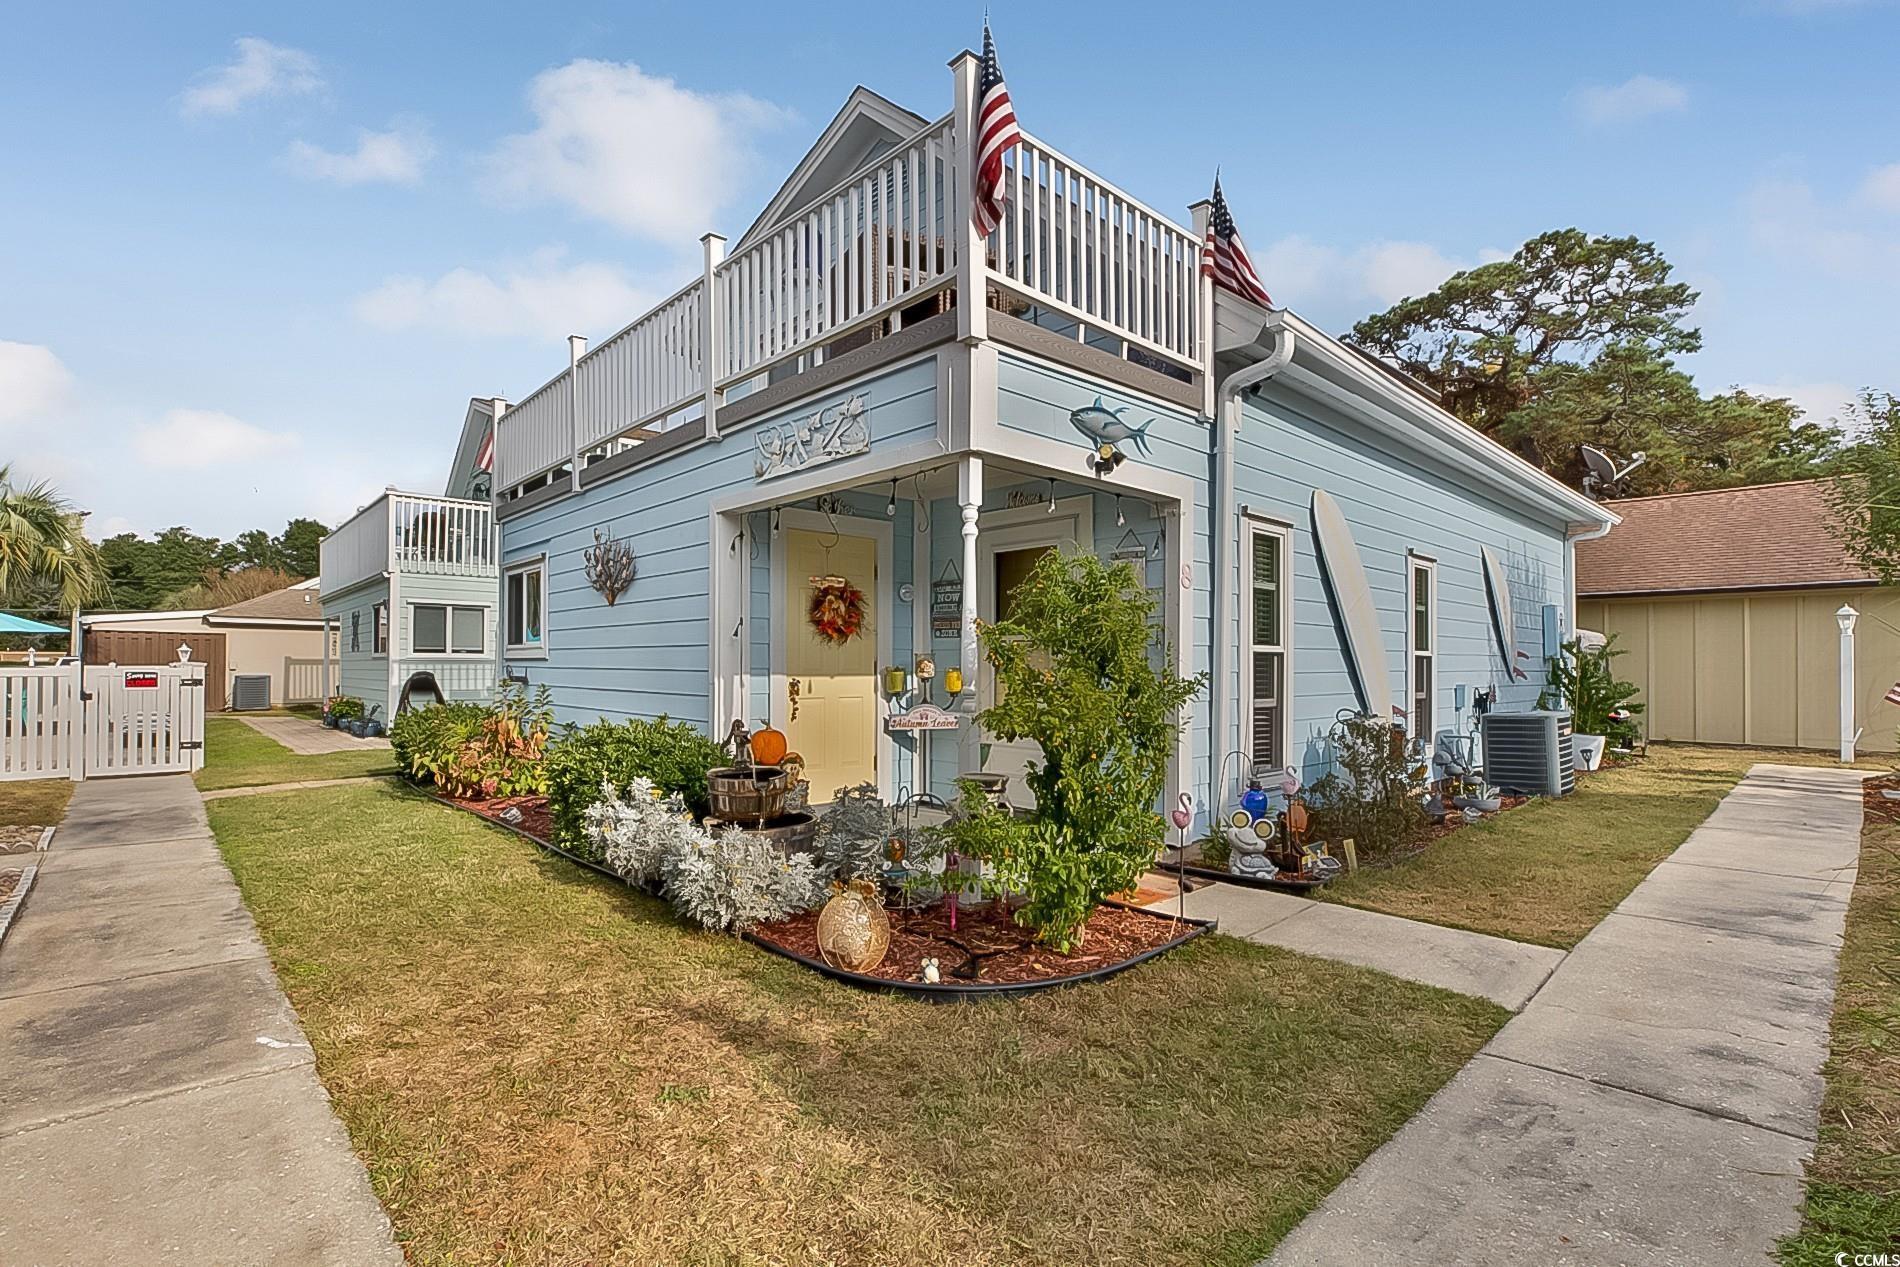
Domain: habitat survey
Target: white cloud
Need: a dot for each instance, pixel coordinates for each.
(395, 157)
(1819, 402)
(543, 299)
(262, 69)
(1788, 218)
(32, 381)
(197, 439)
(1637, 97)
(635, 150)
(1881, 189)
(1300, 272)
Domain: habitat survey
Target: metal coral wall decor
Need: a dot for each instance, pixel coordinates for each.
(610, 565)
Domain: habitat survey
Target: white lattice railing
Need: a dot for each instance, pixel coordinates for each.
(357, 550)
(874, 243)
(1072, 242)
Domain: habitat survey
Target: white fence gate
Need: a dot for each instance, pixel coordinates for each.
(130, 719)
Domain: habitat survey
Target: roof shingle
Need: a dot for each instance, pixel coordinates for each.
(298, 602)
(1769, 536)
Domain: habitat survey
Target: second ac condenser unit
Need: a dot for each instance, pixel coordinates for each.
(1529, 752)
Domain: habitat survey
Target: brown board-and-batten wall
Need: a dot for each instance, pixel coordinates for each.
(1756, 668)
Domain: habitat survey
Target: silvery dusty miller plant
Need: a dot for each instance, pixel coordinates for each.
(633, 835)
(736, 879)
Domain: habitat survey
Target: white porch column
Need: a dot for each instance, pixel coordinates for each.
(1203, 213)
(712, 332)
(576, 349)
(1850, 734)
(972, 263)
(969, 501)
(326, 663)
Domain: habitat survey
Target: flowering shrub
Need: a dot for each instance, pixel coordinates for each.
(503, 756)
(424, 739)
(729, 881)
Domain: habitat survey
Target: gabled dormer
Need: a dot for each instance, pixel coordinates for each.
(867, 127)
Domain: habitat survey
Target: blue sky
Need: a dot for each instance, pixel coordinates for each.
(256, 259)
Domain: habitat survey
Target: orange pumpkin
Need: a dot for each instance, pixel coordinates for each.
(768, 746)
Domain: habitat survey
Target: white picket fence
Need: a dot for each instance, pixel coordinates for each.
(75, 721)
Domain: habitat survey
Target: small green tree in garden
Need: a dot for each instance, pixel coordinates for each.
(1077, 672)
(1866, 499)
(1585, 682)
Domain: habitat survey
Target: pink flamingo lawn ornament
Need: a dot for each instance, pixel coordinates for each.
(1183, 816)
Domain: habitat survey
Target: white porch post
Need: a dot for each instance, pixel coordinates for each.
(326, 663)
(971, 262)
(1850, 734)
(712, 332)
(576, 349)
(970, 501)
(1203, 213)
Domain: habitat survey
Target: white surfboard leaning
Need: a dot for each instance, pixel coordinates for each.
(1358, 615)
(1498, 589)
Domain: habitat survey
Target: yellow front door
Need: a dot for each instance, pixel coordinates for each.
(831, 689)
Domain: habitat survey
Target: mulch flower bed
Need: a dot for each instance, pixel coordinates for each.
(9, 881)
(988, 947)
(534, 817)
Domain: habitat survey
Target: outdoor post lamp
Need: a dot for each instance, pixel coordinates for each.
(184, 653)
(1850, 734)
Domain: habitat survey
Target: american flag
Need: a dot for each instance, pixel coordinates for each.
(485, 456)
(1224, 255)
(1893, 696)
(996, 132)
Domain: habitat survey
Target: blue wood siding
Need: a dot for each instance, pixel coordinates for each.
(1288, 446)
(648, 654)
(1037, 398)
(362, 672)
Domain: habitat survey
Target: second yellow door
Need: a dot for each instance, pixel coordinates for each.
(835, 728)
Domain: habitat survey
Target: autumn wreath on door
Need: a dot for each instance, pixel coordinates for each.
(837, 609)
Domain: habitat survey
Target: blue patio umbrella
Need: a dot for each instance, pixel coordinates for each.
(9, 623)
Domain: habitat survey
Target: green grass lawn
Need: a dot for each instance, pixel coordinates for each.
(237, 756)
(540, 1066)
(1853, 1193)
(1549, 871)
(34, 802)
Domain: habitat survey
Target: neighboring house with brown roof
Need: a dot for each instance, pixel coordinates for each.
(1725, 602)
(279, 635)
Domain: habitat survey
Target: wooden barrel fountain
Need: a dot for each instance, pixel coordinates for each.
(754, 798)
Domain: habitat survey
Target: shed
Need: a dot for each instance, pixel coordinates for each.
(1724, 601)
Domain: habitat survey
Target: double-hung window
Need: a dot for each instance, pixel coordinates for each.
(524, 622)
(1422, 575)
(437, 629)
(1264, 644)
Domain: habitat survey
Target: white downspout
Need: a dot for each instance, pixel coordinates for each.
(1570, 563)
(1226, 541)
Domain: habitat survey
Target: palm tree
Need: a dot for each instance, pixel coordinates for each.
(43, 544)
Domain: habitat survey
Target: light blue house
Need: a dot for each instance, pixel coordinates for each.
(862, 395)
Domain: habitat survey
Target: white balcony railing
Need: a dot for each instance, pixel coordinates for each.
(1072, 250)
(409, 532)
(874, 243)
(1072, 242)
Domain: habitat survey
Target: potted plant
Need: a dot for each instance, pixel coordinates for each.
(342, 711)
(1583, 680)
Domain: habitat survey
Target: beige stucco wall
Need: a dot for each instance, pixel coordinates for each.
(261, 649)
(1758, 668)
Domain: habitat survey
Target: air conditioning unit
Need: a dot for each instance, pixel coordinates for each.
(1529, 752)
(250, 692)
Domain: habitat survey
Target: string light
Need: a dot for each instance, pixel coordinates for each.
(1121, 520)
(890, 507)
(1052, 497)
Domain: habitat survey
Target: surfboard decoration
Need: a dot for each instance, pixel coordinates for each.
(1498, 590)
(1353, 605)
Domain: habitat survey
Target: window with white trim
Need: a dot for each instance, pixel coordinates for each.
(526, 609)
(438, 629)
(1421, 665)
(1264, 666)
(379, 629)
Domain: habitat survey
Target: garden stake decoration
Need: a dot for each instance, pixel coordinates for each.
(610, 565)
(1183, 815)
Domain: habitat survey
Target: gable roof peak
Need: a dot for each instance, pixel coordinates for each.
(846, 144)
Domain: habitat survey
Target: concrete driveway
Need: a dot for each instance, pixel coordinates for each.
(1655, 1100)
(159, 1103)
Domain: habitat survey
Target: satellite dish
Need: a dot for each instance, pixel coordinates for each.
(1604, 474)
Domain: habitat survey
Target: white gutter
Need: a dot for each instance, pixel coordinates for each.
(1571, 537)
(1226, 541)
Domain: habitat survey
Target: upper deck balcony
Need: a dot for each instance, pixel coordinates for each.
(889, 244)
(411, 533)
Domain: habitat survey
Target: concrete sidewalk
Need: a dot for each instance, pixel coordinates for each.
(1655, 1100)
(1506, 972)
(158, 1102)
(307, 737)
